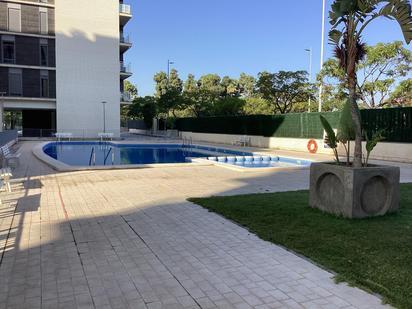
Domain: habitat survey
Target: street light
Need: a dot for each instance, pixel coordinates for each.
(104, 116)
(2, 94)
(322, 52)
(169, 63)
(309, 50)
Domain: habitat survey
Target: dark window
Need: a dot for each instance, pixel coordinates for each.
(44, 84)
(44, 55)
(15, 82)
(8, 52)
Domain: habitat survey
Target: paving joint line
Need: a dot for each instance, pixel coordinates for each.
(74, 240)
(160, 260)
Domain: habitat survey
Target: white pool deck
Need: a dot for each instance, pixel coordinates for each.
(129, 239)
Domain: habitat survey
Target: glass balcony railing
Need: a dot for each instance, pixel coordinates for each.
(125, 9)
(125, 68)
(126, 96)
(125, 39)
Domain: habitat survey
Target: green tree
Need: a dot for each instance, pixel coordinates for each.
(402, 95)
(230, 87)
(194, 99)
(384, 64)
(349, 19)
(334, 93)
(284, 89)
(132, 89)
(257, 106)
(161, 83)
(175, 83)
(210, 85)
(170, 102)
(190, 84)
(377, 74)
(169, 92)
(247, 84)
(144, 108)
(228, 106)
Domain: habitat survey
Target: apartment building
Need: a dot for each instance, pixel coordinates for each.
(62, 65)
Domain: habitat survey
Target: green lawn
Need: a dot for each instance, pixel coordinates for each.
(375, 254)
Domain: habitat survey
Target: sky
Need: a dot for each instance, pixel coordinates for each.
(228, 37)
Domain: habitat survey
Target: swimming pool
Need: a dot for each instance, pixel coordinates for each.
(101, 154)
(97, 154)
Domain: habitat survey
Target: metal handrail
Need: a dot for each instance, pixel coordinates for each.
(92, 155)
(105, 159)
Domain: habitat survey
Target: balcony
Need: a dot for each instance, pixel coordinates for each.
(125, 70)
(126, 97)
(125, 43)
(125, 12)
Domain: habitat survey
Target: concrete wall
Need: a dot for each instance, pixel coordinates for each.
(400, 152)
(87, 61)
(30, 20)
(295, 144)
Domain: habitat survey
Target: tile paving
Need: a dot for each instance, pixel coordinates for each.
(129, 239)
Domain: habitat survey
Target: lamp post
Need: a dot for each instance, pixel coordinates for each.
(104, 116)
(169, 64)
(309, 50)
(2, 94)
(322, 46)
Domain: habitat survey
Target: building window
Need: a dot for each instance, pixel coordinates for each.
(14, 18)
(15, 82)
(44, 53)
(44, 84)
(8, 50)
(44, 24)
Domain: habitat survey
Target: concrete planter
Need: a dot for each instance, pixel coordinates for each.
(354, 192)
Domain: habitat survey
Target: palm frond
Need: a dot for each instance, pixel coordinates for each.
(340, 54)
(399, 10)
(361, 51)
(335, 36)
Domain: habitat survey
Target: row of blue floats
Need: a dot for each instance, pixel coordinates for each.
(260, 161)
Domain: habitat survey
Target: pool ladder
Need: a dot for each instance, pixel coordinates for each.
(92, 157)
(107, 156)
(187, 141)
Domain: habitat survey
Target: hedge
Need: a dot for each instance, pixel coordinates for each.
(397, 123)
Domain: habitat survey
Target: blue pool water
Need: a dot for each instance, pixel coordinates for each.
(80, 153)
(100, 154)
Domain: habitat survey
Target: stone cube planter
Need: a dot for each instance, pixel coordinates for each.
(354, 192)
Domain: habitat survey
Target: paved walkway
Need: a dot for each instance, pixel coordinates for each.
(129, 239)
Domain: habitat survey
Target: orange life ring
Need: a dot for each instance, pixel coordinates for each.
(312, 146)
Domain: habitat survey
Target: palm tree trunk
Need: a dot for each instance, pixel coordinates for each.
(352, 54)
(357, 158)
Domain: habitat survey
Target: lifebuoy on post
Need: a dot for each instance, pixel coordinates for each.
(312, 146)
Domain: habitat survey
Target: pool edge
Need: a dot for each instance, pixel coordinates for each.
(38, 152)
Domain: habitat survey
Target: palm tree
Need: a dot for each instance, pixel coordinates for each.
(349, 18)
